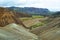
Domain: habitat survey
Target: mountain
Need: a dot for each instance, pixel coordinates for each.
(31, 10)
(8, 17)
(56, 14)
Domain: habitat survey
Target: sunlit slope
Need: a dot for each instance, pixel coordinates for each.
(15, 32)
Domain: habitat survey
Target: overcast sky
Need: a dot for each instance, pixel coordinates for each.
(53, 5)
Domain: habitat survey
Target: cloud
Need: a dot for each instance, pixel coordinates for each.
(50, 4)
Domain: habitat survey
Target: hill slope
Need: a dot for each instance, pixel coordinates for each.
(15, 32)
(8, 17)
(50, 31)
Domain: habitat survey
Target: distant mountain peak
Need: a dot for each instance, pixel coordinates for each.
(31, 10)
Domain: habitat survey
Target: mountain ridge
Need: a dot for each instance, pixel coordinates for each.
(31, 10)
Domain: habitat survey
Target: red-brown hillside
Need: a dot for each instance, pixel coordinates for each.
(8, 17)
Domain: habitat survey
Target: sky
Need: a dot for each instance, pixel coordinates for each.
(52, 5)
